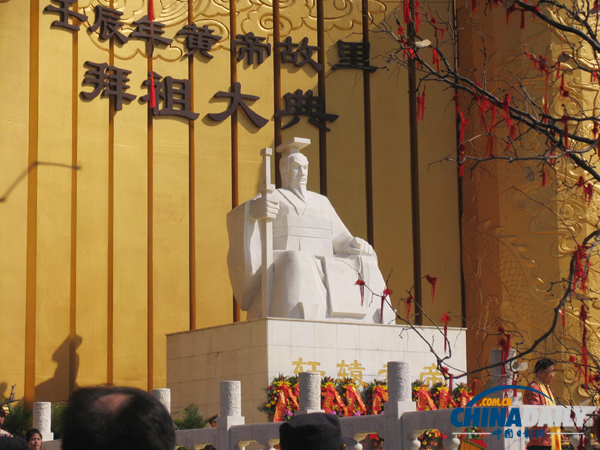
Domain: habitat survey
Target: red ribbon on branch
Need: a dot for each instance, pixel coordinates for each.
(580, 274)
(386, 292)
(361, 284)
(446, 318)
(409, 302)
(432, 281)
(543, 177)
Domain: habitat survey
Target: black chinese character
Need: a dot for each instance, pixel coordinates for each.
(107, 20)
(289, 55)
(65, 14)
(173, 92)
(300, 104)
(200, 39)
(353, 55)
(237, 99)
(249, 45)
(95, 76)
(109, 80)
(144, 33)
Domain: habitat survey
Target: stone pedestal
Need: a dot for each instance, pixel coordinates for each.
(256, 351)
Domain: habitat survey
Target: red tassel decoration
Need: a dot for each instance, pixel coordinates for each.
(386, 292)
(563, 91)
(406, 8)
(417, 17)
(446, 318)
(436, 59)
(543, 177)
(579, 273)
(152, 102)
(522, 19)
(151, 16)
(432, 281)
(409, 302)
(361, 283)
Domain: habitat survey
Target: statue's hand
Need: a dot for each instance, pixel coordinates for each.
(358, 246)
(264, 208)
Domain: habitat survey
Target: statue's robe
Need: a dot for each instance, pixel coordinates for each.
(313, 278)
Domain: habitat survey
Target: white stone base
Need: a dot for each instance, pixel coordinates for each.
(254, 352)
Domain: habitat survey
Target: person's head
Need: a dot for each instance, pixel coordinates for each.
(294, 171)
(544, 370)
(116, 418)
(34, 439)
(316, 431)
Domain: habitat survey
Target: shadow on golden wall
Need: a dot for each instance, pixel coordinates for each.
(63, 381)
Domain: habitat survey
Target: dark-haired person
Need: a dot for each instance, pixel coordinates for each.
(34, 439)
(316, 431)
(3, 433)
(544, 374)
(116, 418)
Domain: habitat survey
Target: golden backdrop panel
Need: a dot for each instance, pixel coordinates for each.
(392, 213)
(254, 80)
(92, 224)
(508, 233)
(170, 198)
(212, 145)
(14, 129)
(438, 186)
(130, 236)
(53, 259)
(346, 141)
(304, 78)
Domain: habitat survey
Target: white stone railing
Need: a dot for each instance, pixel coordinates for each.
(400, 426)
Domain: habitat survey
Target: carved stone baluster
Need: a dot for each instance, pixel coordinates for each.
(452, 442)
(310, 392)
(231, 413)
(163, 396)
(42, 419)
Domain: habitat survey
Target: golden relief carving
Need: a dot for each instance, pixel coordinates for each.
(172, 13)
(253, 16)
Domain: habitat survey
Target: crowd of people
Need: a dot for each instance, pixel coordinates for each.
(123, 418)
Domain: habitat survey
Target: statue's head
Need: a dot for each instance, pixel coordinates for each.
(294, 171)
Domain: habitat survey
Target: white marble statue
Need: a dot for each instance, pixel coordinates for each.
(316, 262)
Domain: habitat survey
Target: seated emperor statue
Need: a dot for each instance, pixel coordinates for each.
(316, 260)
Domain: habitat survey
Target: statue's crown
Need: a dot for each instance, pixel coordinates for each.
(294, 145)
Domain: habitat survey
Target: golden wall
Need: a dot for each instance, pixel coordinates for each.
(518, 235)
(112, 224)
